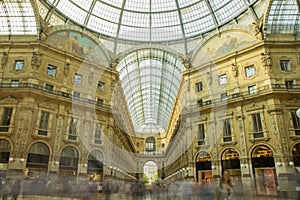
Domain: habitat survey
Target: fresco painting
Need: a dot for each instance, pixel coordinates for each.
(218, 46)
(77, 44)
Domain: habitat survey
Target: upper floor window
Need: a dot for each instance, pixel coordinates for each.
(51, 70)
(101, 86)
(200, 103)
(150, 144)
(73, 129)
(252, 89)
(99, 102)
(76, 95)
(250, 71)
(6, 119)
(201, 134)
(78, 79)
(296, 122)
(289, 84)
(19, 65)
(6, 116)
(285, 65)
(227, 137)
(44, 120)
(223, 96)
(14, 83)
(98, 134)
(49, 88)
(198, 87)
(257, 126)
(222, 79)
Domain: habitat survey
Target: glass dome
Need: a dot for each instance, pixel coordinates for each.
(150, 79)
(150, 20)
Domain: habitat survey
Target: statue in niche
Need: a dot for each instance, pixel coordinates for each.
(45, 26)
(234, 70)
(4, 59)
(36, 61)
(209, 78)
(257, 26)
(66, 69)
(91, 76)
(267, 62)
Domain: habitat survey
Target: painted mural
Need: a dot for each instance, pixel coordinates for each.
(227, 43)
(77, 44)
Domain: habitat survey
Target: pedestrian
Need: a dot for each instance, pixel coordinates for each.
(225, 189)
(15, 190)
(6, 189)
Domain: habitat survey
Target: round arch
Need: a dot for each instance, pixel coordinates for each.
(95, 166)
(203, 167)
(230, 159)
(264, 170)
(150, 169)
(37, 160)
(68, 164)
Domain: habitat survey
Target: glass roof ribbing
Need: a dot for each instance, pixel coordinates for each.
(150, 79)
(17, 18)
(150, 20)
(283, 17)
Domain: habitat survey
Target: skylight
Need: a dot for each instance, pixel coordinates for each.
(150, 79)
(155, 20)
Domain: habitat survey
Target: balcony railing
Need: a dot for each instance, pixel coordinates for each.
(52, 92)
(242, 94)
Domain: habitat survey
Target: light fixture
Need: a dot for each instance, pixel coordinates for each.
(291, 163)
(11, 159)
(22, 160)
(279, 164)
(84, 165)
(56, 163)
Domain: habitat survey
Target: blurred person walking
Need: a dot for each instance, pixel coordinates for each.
(225, 189)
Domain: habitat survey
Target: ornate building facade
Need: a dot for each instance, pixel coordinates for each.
(80, 104)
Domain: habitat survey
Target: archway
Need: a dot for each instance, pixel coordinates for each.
(37, 161)
(264, 170)
(95, 166)
(150, 172)
(203, 167)
(4, 157)
(296, 155)
(231, 163)
(68, 163)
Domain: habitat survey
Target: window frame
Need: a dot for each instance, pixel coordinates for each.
(101, 86)
(227, 132)
(201, 134)
(250, 71)
(257, 125)
(285, 67)
(78, 79)
(51, 70)
(18, 68)
(198, 87)
(222, 79)
(43, 129)
(252, 89)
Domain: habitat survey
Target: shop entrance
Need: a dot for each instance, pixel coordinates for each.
(264, 171)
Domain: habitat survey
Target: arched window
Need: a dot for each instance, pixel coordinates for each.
(95, 166)
(68, 163)
(38, 156)
(230, 159)
(150, 145)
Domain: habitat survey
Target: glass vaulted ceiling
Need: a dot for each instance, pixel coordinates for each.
(151, 20)
(150, 79)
